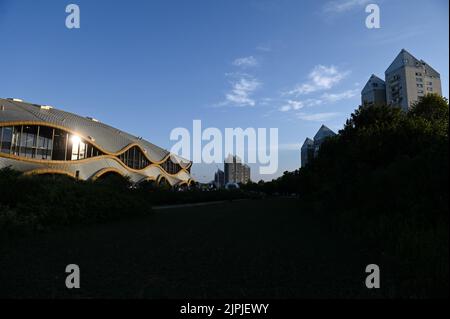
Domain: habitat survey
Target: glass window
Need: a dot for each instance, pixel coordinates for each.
(6, 138)
(45, 143)
(170, 167)
(83, 149)
(28, 141)
(77, 147)
(134, 158)
(59, 145)
(15, 146)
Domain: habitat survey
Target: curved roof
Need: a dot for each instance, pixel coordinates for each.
(108, 138)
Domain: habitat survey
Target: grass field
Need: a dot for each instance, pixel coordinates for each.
(242, 249)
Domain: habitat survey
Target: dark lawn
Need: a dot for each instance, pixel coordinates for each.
(243, 249)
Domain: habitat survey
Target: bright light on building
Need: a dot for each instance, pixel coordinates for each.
(75, 139)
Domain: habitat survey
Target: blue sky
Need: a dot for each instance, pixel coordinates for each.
(147, 67)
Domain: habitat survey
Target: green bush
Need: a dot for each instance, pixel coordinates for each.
(30, 203)
(39, 202)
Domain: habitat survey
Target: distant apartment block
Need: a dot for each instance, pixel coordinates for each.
(406, 80)
(310, 148)
(374, 93)
(307, 151)
(219, 179)
(246, 174)
(235, 171)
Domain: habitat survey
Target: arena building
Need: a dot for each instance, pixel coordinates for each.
(39, 139)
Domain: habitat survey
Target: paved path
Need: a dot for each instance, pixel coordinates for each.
(166, 207)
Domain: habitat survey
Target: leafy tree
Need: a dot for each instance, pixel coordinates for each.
(383, 180)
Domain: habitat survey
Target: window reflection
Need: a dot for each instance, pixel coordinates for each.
(79, 148)
(5, 139)
(47, 143)
(44, 143)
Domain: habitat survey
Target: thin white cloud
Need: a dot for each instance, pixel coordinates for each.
(396, 36)
(246, 62)
(292, 105)
(317, 117)
(242, 90)
(340, 6)
(289, 147)
(266, 101)
(320, 78)
(285, 108)
(264, 48)
(334, 97)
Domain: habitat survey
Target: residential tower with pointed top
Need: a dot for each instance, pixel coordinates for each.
(407, 79)
(311, 147)
(374, 92)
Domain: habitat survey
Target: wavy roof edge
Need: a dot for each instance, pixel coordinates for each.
(107, 137)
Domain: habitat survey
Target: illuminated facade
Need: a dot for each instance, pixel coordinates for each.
(406, 81)
(235, 171)
(38, 139)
